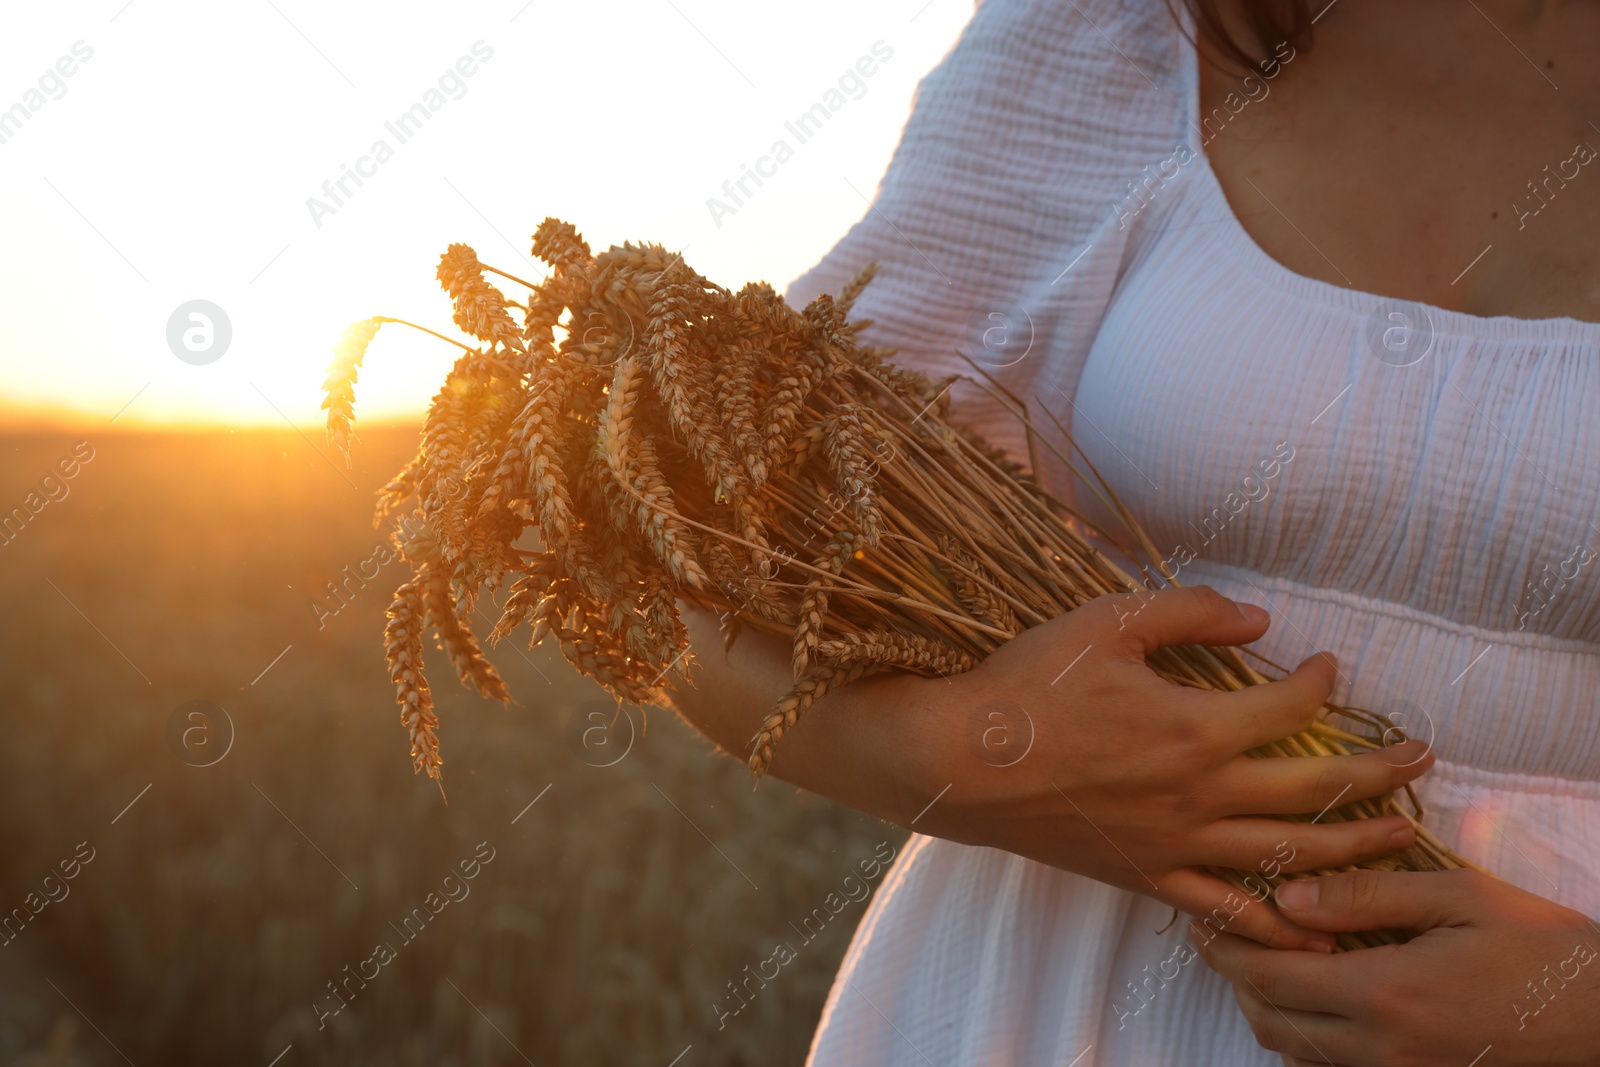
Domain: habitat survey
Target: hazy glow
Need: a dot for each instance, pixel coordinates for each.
(176, 162)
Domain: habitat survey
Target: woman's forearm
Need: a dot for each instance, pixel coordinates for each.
(856, 745)
(1122, 776)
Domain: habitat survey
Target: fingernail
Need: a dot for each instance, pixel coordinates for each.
(1402, 838)
(1299, 895)
(1253, 615)
(1320, 946)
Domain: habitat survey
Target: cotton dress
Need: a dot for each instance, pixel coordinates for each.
(1050, 211)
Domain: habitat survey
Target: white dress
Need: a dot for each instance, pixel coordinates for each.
(1434, 527)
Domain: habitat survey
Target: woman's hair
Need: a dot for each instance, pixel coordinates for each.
(1269, 22)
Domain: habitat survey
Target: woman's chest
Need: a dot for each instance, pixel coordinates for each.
(1465, 174)
(1395, 451)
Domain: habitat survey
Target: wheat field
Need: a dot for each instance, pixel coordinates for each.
(224, 905)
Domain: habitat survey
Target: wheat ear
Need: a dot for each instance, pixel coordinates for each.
(845, 659)
(402, 645)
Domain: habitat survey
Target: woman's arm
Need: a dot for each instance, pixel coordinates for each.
(858, 745)
(1125, 777)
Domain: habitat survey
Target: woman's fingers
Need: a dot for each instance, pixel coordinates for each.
(1273, 846)
(1291, 999)
(1219, 907)
(1376, 900)
(1140, 623)
(1301, 981)
(1301, 785)
(1260, 714)
(1305, 1037)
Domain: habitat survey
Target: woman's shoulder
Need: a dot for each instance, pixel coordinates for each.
(1020, 143)
(1076, 33)
(995, 226)
(1071, 63)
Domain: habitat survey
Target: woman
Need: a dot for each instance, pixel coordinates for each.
(1327, 315)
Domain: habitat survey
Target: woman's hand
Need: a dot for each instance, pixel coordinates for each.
(1115, 773)
(1498, 976)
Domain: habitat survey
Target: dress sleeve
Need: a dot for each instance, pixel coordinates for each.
(999, 227)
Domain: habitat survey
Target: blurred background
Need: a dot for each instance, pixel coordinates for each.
(213, 818)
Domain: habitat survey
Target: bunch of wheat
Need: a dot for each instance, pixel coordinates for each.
(671, 439)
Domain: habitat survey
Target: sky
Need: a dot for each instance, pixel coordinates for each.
(179, 249)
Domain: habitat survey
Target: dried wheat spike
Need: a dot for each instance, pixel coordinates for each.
(545, 306)
(799, 365)
(480, 308)
(456, 637)
(444, 431)
(599, 334)
(752, 514)
(526, 592)
(402, 647)
(828, 323)
(417, 539)
(560, 598)
(844, 659)
(975, 588)
(444, 441)
(914, 388)
(625, 295)
(814, 605)
(544, 431)
(737, 388)
(503, 398)
(784, 402)
(648, 504)
(682, 379)
(669, 636)
(339, 387)
(742, 584)
(559, 244)
(398, 488)
(625, 279)
(638, 258)
(529, 429)
(596, 653)
(671, 539)
(852, 289)
(472, 514)
(811, 687)
(849, 439)
(911, 652)
(491, 553)
(801, 449)
(624, 558)
(508, 477)
(488, 451)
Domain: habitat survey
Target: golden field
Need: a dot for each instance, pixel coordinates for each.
(217, 909)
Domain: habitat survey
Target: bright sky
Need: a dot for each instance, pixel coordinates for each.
(157, 152)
